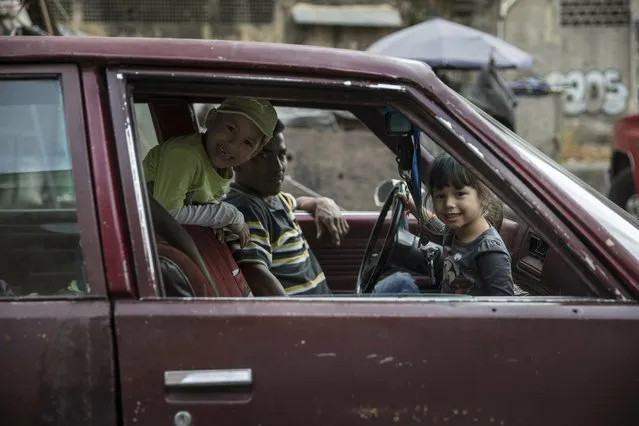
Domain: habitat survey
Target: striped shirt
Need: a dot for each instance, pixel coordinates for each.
(276, 241)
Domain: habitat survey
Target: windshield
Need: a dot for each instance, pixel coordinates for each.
(619, 223)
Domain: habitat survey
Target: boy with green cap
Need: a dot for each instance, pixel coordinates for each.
(189, 175)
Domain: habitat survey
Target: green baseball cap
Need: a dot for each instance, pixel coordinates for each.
(260, 111)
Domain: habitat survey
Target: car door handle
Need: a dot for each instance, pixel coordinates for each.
(240, 377)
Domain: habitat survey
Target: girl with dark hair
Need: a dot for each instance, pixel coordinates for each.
(476, 260)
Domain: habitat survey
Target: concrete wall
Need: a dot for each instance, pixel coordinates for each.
(346, 166)
(538, 120)
(281, 30)
(342, 37)
(274, 31)
(592, 62)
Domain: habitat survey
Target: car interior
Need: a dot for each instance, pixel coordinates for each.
(537, 269)
(39, 232)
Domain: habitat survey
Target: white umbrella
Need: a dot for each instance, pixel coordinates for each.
(445, 44)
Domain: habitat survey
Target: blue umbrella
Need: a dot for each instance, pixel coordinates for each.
(445, 44)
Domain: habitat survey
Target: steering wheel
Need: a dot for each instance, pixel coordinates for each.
(371, 267)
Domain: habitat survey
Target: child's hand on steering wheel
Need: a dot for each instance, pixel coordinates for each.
(410, 205)
(408, 202)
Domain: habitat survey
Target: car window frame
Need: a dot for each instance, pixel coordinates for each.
(429, 116)
(119, 81)
(72, 104)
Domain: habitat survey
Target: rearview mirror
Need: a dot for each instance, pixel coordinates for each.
(397, 124)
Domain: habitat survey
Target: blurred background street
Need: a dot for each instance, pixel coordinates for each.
(580, 80)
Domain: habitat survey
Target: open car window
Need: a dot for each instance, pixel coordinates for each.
(342, 151)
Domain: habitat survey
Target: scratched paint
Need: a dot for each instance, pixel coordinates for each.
(422, 414)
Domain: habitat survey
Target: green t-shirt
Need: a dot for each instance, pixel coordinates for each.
(182, 173)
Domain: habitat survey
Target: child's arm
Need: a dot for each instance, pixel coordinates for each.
(434, 228)
(218, 215)
(496, 273)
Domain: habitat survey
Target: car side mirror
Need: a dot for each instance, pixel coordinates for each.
(384, 188)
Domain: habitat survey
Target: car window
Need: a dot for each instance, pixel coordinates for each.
(40, 252)
(322, 146)
(330, 153)
(144, 127)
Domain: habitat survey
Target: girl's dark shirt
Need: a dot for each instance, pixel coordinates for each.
(479, 268)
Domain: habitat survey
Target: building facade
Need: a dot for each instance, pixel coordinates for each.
(586, 48)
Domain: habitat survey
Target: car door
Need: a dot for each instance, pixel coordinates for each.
(348, 360)
(56, 345)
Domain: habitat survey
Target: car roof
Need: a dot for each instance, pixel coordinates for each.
(212, 53)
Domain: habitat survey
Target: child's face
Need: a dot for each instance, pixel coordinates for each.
(457, 207)
(232, 139)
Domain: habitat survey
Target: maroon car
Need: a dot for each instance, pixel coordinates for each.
(92, 335)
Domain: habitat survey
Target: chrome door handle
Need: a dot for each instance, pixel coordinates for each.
(208, 378)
